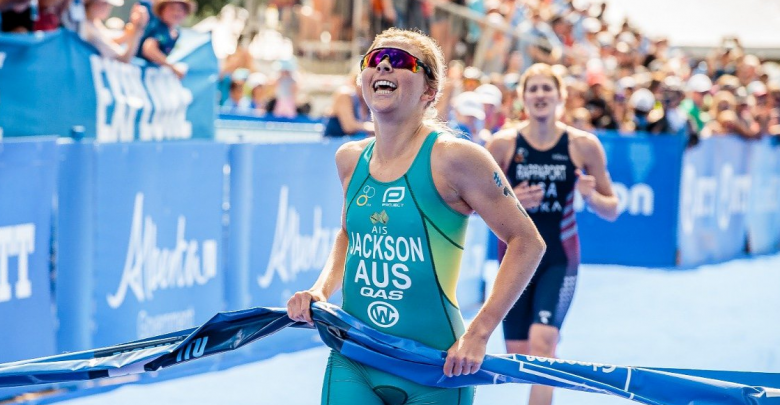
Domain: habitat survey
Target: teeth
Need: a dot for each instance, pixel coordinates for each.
(384, 83)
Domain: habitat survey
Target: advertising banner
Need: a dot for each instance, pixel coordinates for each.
(141, 237)
(763, 214)
(715, 192)
(52, 82)
(28, 171)
(158, 238)
(646, 179)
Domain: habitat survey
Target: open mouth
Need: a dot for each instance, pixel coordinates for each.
(384, 87)
(540, 104)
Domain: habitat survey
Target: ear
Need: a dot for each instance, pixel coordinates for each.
(429, 94)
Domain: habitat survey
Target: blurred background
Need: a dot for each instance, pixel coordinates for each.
(164, 160)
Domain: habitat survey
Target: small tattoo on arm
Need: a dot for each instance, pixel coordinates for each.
(508, 192)
(497, 179)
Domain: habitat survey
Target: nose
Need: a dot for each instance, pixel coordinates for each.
(384, 65)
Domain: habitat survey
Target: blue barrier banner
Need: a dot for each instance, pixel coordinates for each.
(714, 197)
(763, 213)
(28, 170)
(406, 358)
(645, 173)
(158, 227)
(54, 81)
(154, 237)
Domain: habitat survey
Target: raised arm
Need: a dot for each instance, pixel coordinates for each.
(471, 172)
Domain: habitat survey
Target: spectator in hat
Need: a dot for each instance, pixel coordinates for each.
(237, 101)
(285, 90)
(258, 96)
(641, 104)
(729, 83)
(95, 32)
(472, 78)
(722, 102)
(748, 69)
(469, 112)
(699, 87)
(763, 112)
(725, 123)
(159, 42)
(492, 100)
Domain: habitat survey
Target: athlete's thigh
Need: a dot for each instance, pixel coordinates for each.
(394, 390)
(346, 384)
(444, 396)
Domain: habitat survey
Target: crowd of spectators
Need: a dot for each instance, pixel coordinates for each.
(151, 32)
(617, 78)
(246, 90)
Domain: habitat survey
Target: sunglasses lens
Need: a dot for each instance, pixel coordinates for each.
(398, 59)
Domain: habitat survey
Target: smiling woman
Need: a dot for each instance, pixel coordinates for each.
(407, 196)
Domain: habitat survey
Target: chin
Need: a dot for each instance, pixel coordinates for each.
(542, 115)
(382, 106)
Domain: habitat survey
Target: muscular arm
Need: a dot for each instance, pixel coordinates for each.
(481, 184)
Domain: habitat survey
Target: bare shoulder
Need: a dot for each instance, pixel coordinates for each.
(347, 157)
(503, 138)
(585, 143)
(454, 156)
(502, 142)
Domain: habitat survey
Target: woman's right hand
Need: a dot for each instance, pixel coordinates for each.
(299, 305)
(529, 196)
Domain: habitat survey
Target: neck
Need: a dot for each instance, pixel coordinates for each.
(394, 138)
(543, 129)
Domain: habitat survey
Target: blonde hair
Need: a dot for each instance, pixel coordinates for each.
(543, 69)
(433, 57)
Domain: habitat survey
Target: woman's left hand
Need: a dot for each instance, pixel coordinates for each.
(586, 184)
(465, 356)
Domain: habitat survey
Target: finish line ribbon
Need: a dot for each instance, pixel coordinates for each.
(406, 358)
